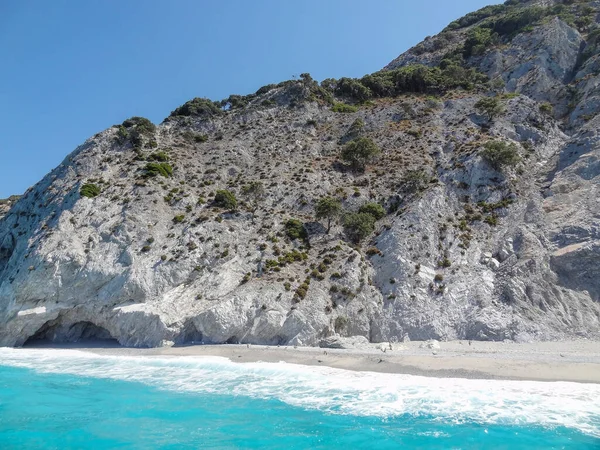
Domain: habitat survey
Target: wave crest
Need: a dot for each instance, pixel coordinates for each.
(572, 405)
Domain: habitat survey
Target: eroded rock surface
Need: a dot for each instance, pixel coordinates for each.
(473, 252)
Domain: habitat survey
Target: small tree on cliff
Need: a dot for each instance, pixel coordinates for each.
(490, 107)
(328, 208)
(360, 152)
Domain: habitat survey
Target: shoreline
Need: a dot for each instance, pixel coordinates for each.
(570, 361)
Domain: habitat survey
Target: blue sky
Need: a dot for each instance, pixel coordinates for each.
(71, 68)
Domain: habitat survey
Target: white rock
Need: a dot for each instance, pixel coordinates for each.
(494, 264)
(344, 342)
(430, 344)
(32, 311)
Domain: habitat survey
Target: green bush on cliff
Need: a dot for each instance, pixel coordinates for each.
(141, 124)
(359, 152)
(89, 190)
(374, 209)
(518, 21)
(153, 169)
(500, 154)
(476, 16)
(158, 156)
(295, 229)
(225, 199)
(358, 226)
(350, 87)
(414, 181)
(343, 108)
(328, 208)
(489, 106)
(198, 107)
(478, 41)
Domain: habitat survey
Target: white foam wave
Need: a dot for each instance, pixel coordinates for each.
(573, 405)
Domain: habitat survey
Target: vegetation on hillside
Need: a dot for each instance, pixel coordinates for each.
(500, 154)
(90, 190)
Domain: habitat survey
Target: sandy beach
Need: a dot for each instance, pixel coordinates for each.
(577, 361)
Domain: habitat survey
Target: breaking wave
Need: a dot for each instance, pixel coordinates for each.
(337, 391)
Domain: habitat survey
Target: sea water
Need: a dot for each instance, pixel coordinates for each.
(62, 399)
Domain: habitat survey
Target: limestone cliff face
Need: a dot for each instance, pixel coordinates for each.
(466, 249)
(6, 203)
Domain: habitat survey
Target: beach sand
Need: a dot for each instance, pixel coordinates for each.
(577, 361)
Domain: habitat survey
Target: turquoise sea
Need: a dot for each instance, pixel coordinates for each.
(63, 399)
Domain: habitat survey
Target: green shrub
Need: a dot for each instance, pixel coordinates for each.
(295, 229)
(359, 152)
(235, 101)
(122, 134)
(271, 264)
(265, 89)
(158, 156)
(343, 108)
(225, 199)
(491, 220)
(350, 87)
(358, 226)
(178, 218)
(328, 208)
(478, 41)
(423, 79)
(137, 128)
(152, 169)
(517, 21)
(445, 263)
(195, 137)
(374, 209)
(416, 78)
(89, 190)
(451, 74)
(302, 290)
(414, 181)
(141, 124)
(500, 154)
(546, 108)
(198, 107)
(381, 84)
(476, 16)
(490, 106)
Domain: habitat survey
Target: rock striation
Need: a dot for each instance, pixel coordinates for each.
(130, 239)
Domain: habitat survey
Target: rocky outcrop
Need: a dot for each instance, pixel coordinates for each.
(466, 250)
(6, 203)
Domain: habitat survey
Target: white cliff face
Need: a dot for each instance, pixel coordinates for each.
(477, 254)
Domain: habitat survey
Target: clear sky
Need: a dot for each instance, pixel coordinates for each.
(71, 68)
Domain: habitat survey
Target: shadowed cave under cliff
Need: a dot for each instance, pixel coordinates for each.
(58, 332)
(89, 334)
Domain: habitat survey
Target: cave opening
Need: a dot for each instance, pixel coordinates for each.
(189, 334)
(86, 333)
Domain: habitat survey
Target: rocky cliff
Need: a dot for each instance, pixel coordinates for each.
(480, 145)
(6, 203)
